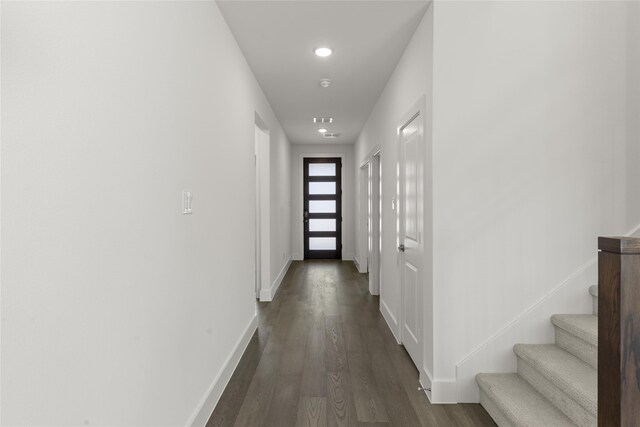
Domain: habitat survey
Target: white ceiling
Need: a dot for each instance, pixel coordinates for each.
(278, 37)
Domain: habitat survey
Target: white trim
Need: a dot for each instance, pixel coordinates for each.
(367, 161)
(348, 257)
(263, 203)
(426, 381)
(267, 295)
(297, 257)
(391, 320)
(375, 257)
(209, 401)
(443, 391)
(362, 217)
(376, 151)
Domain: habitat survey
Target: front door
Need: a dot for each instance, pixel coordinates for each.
(322, 208)
(410, 243)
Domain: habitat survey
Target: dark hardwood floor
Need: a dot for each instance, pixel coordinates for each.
(324, 356)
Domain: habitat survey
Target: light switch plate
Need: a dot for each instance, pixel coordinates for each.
(187, 200)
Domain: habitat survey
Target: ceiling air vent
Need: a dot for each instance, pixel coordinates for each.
(323, 120)
(331, 135)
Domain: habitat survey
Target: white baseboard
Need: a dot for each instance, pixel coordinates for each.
(426, 380)
(440, 392)
(267, 295)
(297, 257)
(348, 257)
(444, 391)
(361, 268)
(390, 319)
(212, 396)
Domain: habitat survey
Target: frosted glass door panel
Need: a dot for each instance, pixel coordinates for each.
(322, 225)
(322, 243)
(322, 206)
(322, 188)
(322, 169)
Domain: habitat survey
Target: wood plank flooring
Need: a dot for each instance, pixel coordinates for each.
(324, 356)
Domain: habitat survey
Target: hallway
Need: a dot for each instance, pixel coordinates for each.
(323, 355)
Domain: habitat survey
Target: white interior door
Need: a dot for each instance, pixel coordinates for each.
(410, 243)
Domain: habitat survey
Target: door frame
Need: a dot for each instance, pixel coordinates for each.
(363, 216)
(375, 272)
(262, 208)
(370, 237)
(298, 216)
(306, 197)
(416, 112)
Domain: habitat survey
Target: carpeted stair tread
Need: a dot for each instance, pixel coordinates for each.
(566, 372)
(520, 403)
(583, 326)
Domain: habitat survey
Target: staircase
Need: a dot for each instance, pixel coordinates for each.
(556, 384)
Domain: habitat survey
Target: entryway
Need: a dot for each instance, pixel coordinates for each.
(322, 208)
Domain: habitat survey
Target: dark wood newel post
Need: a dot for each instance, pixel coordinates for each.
(618, 331)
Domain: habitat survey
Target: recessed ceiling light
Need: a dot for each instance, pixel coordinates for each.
(323, 51)
(325, 83)
(322, 130)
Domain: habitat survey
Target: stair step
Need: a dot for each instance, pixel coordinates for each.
(593, 290)
(511, 401)
(568, 382)
(578, 334)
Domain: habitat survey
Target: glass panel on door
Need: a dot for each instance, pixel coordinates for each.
(322, 169)
(322, 188)
(322, 224)
(322, 206)
(319, 243)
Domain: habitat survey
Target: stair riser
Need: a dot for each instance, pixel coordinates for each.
(577, 346)
(595, 305)
(494, 411)
(560, 399)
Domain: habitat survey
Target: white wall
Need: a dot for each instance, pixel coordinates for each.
(117, 309)
(408, 83)
(535, 150)
(298, 152)
(531, 150)
(632, 154)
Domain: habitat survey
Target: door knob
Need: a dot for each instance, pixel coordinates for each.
(401, 248)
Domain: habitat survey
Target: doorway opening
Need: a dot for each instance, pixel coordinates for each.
(370, 220)
(375, 221)
(322, 180)
(262, 224)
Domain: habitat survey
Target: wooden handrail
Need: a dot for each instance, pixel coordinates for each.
(618, 331)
